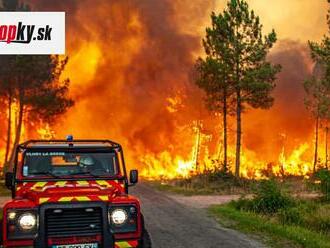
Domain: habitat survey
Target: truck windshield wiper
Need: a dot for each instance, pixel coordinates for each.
(82, 173)
(90, 173)
(45, 173)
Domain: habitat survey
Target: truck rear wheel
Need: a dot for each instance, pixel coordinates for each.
(145, 241)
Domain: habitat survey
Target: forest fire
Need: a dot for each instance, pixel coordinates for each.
(165, 166)
(131, 81)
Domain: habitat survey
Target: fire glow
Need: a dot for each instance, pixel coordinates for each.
(130, 74)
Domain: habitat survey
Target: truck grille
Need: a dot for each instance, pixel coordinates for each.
(63, 222)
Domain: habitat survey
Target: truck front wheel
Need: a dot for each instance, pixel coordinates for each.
(145, 241)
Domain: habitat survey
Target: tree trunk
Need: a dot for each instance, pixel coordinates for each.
(316, 143)
(198, 146)
(326, 147)
(225, 129)
(17, 133)
(238, 112)
(8, 140)
(238, 133)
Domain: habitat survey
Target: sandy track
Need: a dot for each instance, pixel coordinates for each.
(182, 222)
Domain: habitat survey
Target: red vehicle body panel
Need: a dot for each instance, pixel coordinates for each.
(32, 194)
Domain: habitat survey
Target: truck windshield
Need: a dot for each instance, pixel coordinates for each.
(58, 164)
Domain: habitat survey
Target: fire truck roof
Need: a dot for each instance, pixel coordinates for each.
(71, 143)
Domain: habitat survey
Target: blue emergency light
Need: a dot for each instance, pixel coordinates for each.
(69, 138)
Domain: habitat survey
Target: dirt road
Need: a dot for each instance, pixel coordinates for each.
(174, 224)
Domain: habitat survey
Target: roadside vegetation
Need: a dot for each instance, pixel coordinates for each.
(269, 229)
(283, 212)
(207, 183)
(219, 182)
(281, 219)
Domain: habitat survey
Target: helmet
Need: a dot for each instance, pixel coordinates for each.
(86, 161)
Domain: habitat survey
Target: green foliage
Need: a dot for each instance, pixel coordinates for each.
(236, 45)
(269, 199)
(235, 72)
(212, 77)
(275, 234)
(243, 204)
(33, 83)
(317, 87)
(324, 177)
(319, 219)
(290, 216)
(210, 182)
(317, 90)
(314, 215)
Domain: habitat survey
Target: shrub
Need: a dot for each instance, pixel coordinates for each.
(290, 216)
(270, 198)
(243, 204)
(324, 177)
(319, 219)
(312, 215)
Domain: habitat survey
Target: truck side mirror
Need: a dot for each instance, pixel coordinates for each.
(9, 178)
(133, 176)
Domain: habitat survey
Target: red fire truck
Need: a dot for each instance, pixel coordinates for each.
(72, 194)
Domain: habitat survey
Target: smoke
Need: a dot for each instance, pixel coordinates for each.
(129, 64)
(287, 123)
(298, 20)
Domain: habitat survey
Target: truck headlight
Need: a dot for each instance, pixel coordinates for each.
(27, 221)
(22, 223)
(123, 218)
(118, 216)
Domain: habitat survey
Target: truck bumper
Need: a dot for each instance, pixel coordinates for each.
(118, 244)
(126, 244)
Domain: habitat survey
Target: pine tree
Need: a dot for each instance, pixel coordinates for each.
(317, 87)
(33, 83)
(213, 78)
(239, 49)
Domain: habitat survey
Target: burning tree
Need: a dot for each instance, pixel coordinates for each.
(213, 79)
(318, 88)
(236, 65)
(32, 84)
(317, 100)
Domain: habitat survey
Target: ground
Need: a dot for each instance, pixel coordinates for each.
(182, 222)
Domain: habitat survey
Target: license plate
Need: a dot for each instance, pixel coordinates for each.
(90, 245)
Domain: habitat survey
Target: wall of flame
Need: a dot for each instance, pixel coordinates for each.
(130, 66)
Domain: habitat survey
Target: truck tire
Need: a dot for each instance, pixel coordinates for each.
(145, 241)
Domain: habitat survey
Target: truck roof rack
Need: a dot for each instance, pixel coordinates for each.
(70, 143)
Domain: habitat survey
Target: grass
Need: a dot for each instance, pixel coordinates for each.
(220, 183)
(217, 183)
(274, 233)
(285, 212)
(168, 186)
(285, 221)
